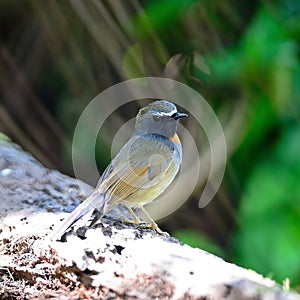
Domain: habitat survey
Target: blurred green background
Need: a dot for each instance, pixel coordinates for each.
(243, 57)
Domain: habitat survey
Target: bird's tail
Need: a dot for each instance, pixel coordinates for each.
(88, 205)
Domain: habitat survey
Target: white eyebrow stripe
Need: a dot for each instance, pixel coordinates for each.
(169, 113)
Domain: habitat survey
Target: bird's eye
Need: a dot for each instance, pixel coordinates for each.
(156, 118)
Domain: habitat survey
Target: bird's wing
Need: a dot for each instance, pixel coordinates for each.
(139, 165)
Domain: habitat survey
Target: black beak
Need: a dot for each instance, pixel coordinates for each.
(179, 115)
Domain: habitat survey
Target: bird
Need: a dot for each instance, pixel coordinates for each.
(144, 167)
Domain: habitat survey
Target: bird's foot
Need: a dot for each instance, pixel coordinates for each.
(133, 222)
(155, 226)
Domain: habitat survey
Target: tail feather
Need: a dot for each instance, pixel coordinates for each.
(88, 205)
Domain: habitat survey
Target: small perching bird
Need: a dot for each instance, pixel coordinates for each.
(141, 171)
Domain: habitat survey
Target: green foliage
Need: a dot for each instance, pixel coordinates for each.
(162, 14)
(266, 65)
(268, 238)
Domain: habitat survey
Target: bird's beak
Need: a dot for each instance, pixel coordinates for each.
(179, 115)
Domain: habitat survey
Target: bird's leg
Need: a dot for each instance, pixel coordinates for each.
(97, 216)
(152, 223)
(135, 220)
